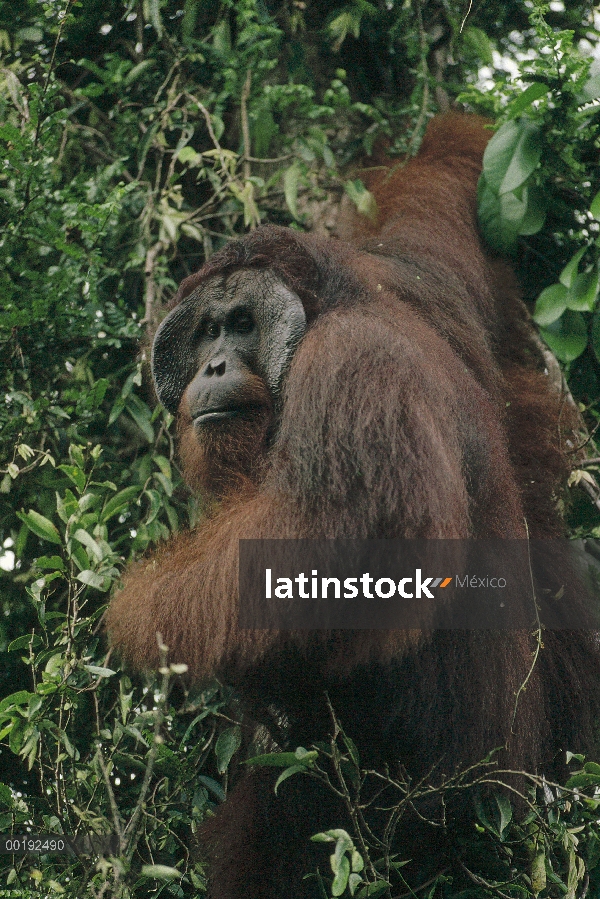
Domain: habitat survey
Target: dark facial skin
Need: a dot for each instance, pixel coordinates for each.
(229, 328)
(227, 342)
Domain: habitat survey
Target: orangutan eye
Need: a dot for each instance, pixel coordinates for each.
(206, 330)
(212, 330)
(243, 322)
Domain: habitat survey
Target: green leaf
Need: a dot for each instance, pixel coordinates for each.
(344, 844)
(340, 881)
(535, 213)
(291, 179)
(525, 159)
(215, 788)
(189, 155)
(54, 563)
(30, 34)
(569, 272)
(498, 154)
(581, 781)
(152, 15)
(362, 198)
(119, 502)
(92, 579)
(354, 881)
(228, 743)
(583, 292)
(373, 890)
(25, 642)
(16, 737)
(550, 304)
(155, 504)
(347, 22)
(142, 416)
(165, 483)
(352, 750)
(283, 759)
(505, 810)
(538, 872)
(512, 211)
(500, 218)
(75, 474)
(306, 756)
(78, 555)
(574, 755)
(591, 89)
(245, 196)
(76, 455)
(567, 337)
(164, 465)
(160, 872)
(138, 70)
(46, 689)
(188, 23)
(168, 762)
(478, 43)
(529, 95)
(22, 697)
(595, 206)
(289, 772)
(116, 410)
(483, 817)
(511, 156)
(222, 40)
(40, 526)
(89, 542)
(357, 861)
(98, 671)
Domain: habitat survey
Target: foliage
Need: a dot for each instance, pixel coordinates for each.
(522, 836)
(138, 136)
(540, 160)
(105, 756)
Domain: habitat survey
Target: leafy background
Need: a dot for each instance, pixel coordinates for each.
(138, 136)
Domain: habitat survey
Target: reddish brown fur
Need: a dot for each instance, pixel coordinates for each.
(394, 423)
(230, 455)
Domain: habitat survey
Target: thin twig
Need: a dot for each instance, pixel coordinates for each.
(586, 884)
(111, 798)
(587, 440)
(538, 635)
(41, 119)
(245, 124)
(150, 285)
(271, 161)
(131, 831)
(591, 491)
(425, 78)
(211, 132)
(422, 886)
(467, 14)
(483, 883)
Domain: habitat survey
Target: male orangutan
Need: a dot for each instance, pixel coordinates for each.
(387, 387)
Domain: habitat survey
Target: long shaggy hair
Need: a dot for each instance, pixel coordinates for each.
(417, 405)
